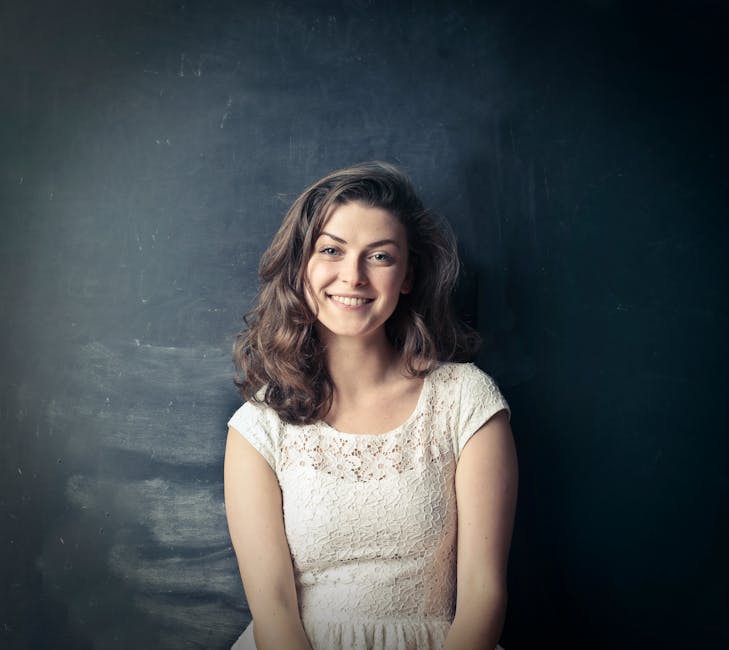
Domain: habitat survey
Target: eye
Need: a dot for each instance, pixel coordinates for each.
(381, 257)
(328, 250)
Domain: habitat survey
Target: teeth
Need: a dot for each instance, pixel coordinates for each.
(350, 302)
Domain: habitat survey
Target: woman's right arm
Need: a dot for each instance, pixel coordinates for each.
(255, 519)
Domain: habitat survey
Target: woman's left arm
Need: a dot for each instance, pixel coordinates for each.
(486, 489)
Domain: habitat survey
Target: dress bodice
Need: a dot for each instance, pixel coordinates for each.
(371, 520)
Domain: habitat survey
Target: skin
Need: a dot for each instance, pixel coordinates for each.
(362, 254)
(486, 491)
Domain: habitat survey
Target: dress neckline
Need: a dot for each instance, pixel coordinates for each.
(424, 390)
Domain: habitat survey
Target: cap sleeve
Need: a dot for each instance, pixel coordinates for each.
(257, 423)
(480, 399)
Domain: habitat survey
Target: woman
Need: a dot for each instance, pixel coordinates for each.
(370, 481)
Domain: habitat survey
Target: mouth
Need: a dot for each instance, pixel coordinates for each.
(350, 301)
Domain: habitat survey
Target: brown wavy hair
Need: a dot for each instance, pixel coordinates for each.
(278, 357)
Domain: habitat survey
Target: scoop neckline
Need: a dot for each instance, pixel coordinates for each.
(414, 414)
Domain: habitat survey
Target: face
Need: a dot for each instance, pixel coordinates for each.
(357, 271)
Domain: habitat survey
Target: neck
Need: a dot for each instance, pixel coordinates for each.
(356, 365)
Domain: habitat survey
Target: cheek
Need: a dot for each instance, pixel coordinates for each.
(309, 283)
(314, 275)
(318, 277)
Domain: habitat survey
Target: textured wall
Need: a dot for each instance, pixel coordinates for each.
(148, 152)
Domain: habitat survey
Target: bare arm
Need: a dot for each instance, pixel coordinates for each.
(486, 489)
(255, 519)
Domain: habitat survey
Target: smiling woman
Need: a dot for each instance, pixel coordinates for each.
(370, 481)
(280, 350)
(355, 277)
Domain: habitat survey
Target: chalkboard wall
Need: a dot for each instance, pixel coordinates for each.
(148, 151)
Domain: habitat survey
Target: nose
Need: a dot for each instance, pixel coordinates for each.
(352, 272)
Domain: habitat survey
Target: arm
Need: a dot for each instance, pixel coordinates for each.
(255, 519)
(486, 488)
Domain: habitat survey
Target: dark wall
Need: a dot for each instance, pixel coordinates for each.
(148, 152)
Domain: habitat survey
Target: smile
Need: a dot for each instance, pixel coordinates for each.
(351, 302)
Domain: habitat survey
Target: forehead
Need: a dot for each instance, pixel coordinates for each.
(358, 222)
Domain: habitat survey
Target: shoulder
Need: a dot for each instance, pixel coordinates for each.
(470, 396)
(461, 386)
(253, 413)
(465, 375)
(260, 425)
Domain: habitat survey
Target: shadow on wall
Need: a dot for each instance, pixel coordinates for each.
(145, 510)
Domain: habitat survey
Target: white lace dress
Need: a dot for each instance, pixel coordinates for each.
(371, 519)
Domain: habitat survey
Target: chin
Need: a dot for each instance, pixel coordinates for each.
(353, 333)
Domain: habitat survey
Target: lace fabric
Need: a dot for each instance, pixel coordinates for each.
(371, 519)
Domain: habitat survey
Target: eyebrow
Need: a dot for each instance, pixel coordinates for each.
(380, 242)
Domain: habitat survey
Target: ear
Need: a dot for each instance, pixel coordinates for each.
(407, 283)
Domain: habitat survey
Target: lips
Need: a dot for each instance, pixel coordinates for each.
(350, 301)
